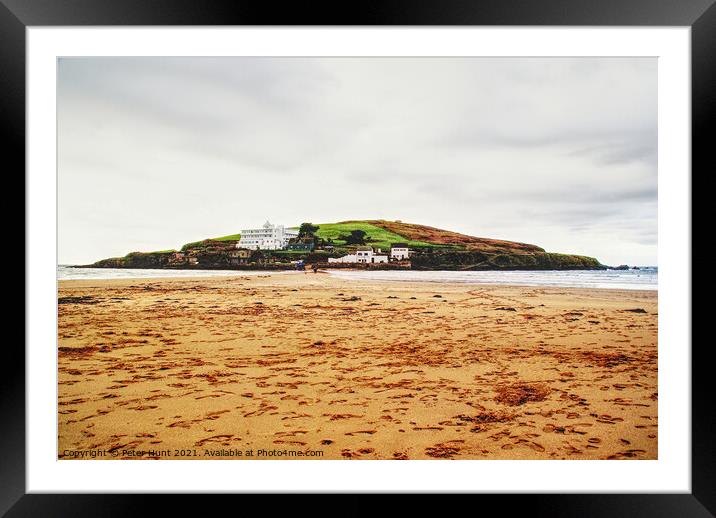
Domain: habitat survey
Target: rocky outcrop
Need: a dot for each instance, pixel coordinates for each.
(135, 260)
(472, 260)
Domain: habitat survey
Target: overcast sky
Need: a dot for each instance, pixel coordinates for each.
(157, 152)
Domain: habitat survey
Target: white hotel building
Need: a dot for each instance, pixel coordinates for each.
(364, 254)
(268, 237)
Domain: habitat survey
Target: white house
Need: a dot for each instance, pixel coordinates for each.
(268, 237)
(399, 252)
(364, 254)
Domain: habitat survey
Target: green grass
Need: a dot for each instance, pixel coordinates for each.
(154, 252)
(375, 236)
(232, 237)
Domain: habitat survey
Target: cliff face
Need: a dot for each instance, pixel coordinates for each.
(474, 260)
(135, 260)
(432, 249)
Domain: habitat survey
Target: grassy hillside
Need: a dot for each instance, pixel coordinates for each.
(382, 234)
(231, 237)
(375, 235)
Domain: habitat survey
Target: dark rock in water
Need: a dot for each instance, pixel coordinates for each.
(621, 267)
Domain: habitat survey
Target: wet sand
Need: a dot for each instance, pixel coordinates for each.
(314, 367)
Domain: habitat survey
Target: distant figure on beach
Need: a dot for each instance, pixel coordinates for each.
(315, 269)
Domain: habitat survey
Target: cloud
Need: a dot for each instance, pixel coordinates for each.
(155, 152)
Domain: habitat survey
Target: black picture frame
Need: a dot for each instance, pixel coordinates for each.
(700, 15)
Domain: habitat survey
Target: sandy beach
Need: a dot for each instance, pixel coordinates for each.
(310, 367)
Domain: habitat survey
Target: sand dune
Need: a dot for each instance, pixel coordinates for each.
(206, 368)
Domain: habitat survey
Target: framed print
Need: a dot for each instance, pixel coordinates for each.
(444, 249)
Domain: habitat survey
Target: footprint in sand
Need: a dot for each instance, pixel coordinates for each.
(224, 440)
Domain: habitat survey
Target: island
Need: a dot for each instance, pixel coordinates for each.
(369, 244)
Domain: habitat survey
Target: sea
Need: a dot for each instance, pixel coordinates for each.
(644, 278)
(67, 273)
